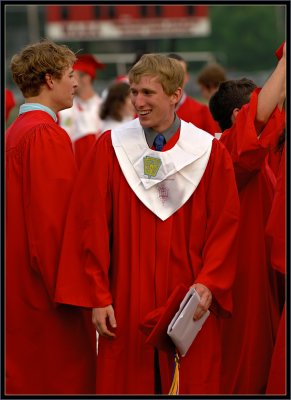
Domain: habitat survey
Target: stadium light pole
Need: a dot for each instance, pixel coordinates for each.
(33, 23)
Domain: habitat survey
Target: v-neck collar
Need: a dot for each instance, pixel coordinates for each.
(150, 133)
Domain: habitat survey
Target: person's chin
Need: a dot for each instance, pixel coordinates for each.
(69, 104)
(65, 106)
(145, 123)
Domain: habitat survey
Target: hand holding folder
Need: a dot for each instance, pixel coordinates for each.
(183, 329)
(156, 323)
(174, 334)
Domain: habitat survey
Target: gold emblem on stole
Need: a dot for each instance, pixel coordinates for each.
(151, 166)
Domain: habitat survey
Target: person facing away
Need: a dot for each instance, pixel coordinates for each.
(209, 78)
(191, 110)
(251, 119)
(82, 121)
(117, 107)
(155, 206)
(49, 349)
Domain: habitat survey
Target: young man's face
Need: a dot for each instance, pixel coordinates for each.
(155, 109)
(65, 89)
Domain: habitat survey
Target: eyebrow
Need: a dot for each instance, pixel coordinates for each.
(145, 89)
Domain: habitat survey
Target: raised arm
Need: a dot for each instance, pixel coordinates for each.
(273, 92)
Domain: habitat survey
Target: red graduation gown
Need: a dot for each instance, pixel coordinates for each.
(82, 146)
(276, 231)
(248, 337)
(49, 349)
(122, 253)
(198, 114)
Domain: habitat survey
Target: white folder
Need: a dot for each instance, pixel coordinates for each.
(183, 329)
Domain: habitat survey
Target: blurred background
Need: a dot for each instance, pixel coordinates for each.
(242, 38)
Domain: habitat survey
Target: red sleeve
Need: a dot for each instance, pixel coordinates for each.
(87, 232)
(220, 249)
(279, 51)
(248, 152)
(48, 182)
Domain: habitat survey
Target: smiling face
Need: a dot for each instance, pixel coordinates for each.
(155, 109)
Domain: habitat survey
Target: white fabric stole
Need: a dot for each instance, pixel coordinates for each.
(174, 174)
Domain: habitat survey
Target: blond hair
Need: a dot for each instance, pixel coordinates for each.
(168, 71)
(34, 61)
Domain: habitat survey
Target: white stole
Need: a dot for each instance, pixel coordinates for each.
(163, 181)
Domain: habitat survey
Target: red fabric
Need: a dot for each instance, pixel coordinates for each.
(198, 114)
(111, 233)
(48, 349)
(156, 322)
(274, 159)
(276, 228)
(276, 233)
(248, 337)
(82, 147)
(277, 383)
(275, 154)
(279, 51)
(9, 103)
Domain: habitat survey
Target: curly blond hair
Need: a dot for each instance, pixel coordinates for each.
(34, 61)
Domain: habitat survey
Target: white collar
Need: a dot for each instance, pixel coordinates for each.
(26, 107)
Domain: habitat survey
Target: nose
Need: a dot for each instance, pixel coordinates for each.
(75, 83)
(138, 100)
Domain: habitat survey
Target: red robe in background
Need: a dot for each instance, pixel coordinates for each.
(82, 147)
(122, 253)
(190, 110)
(9, 103)
(274, 159)
(83, 124)
(276, 234)
(49, 349)
(249, 336)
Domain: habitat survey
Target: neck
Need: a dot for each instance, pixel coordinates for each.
(43, 100)
(150, 133)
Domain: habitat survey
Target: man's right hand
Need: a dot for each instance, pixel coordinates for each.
(99, 319)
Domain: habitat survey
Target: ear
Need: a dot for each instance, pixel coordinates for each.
(176, 96)
(49, 80)
(234, 114)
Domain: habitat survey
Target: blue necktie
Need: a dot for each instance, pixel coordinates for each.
(159, 142)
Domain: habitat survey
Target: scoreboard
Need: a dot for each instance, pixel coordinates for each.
(91, 22)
